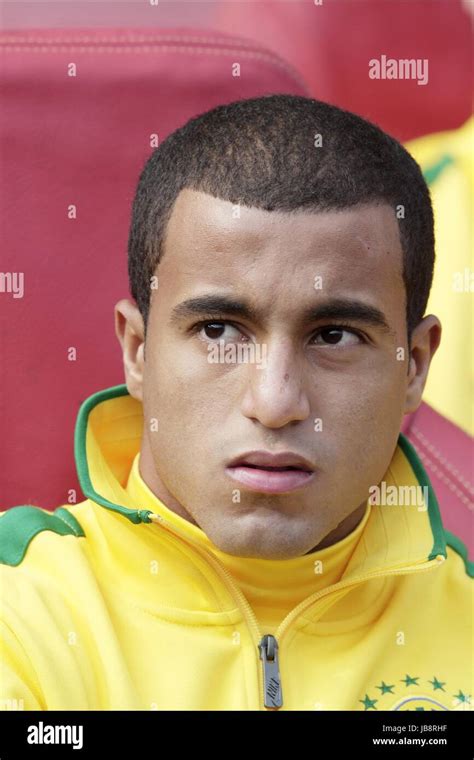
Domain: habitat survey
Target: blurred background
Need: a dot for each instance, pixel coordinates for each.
(328, 43)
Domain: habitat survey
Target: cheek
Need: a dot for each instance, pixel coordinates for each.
(362, 416)
(186, 405)
(376, 392)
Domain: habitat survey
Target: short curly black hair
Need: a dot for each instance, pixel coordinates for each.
(262, 152)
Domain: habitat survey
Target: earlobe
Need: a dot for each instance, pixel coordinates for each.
(129, 329)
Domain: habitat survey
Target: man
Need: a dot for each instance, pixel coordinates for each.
(256, 533)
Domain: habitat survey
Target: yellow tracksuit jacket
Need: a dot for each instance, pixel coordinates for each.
(118, 603)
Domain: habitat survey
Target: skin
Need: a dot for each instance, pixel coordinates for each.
(353, 380)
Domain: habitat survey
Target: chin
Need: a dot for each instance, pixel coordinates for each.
(261, 549)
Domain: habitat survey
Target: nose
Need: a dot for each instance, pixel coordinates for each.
(275, 395)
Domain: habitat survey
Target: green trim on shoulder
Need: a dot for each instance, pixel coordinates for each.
(439, 545)
(80, 454)
(460, 547)
(431, 173)
(19, 525)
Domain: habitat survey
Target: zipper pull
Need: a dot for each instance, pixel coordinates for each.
(271, 672)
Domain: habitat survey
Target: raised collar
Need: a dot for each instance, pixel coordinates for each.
(395, 537)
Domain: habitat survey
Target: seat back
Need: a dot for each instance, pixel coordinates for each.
(82, 111)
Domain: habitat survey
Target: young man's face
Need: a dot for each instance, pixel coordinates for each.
(335, 398)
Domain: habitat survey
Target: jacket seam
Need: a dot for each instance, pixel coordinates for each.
(66, 522)
(164, 619)
(460, 548)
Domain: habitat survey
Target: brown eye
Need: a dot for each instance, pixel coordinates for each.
(220, 331)
(214, 330)
(337, 336)
(332, 335)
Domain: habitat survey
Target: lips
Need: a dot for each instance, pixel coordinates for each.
(267, 460)
(265, 472)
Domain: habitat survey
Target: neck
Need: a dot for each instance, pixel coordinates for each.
(343, 529)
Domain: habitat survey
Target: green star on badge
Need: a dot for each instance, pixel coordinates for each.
(368, 703)
(462, 697)
(385, 689)
(437, 684)
(410, 681)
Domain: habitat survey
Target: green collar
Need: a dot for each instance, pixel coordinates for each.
(142, 515)
(80, 454)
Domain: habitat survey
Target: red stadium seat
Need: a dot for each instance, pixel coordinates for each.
(81, 141)
(332, 42)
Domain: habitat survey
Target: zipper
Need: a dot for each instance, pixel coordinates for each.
(267, 645)
(272, 696)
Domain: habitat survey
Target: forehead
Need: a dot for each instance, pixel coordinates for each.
(212, 243)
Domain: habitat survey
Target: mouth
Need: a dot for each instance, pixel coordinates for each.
(265, 472)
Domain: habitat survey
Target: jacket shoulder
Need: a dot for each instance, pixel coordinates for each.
(459, 548)
(19, 526)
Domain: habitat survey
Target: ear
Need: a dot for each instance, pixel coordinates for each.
(426, 338)
(129, 329)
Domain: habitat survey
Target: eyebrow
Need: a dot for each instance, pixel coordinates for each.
(336, 308)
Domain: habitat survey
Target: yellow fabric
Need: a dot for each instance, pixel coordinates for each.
(146, 615)
(449, 387)
(271, 587)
